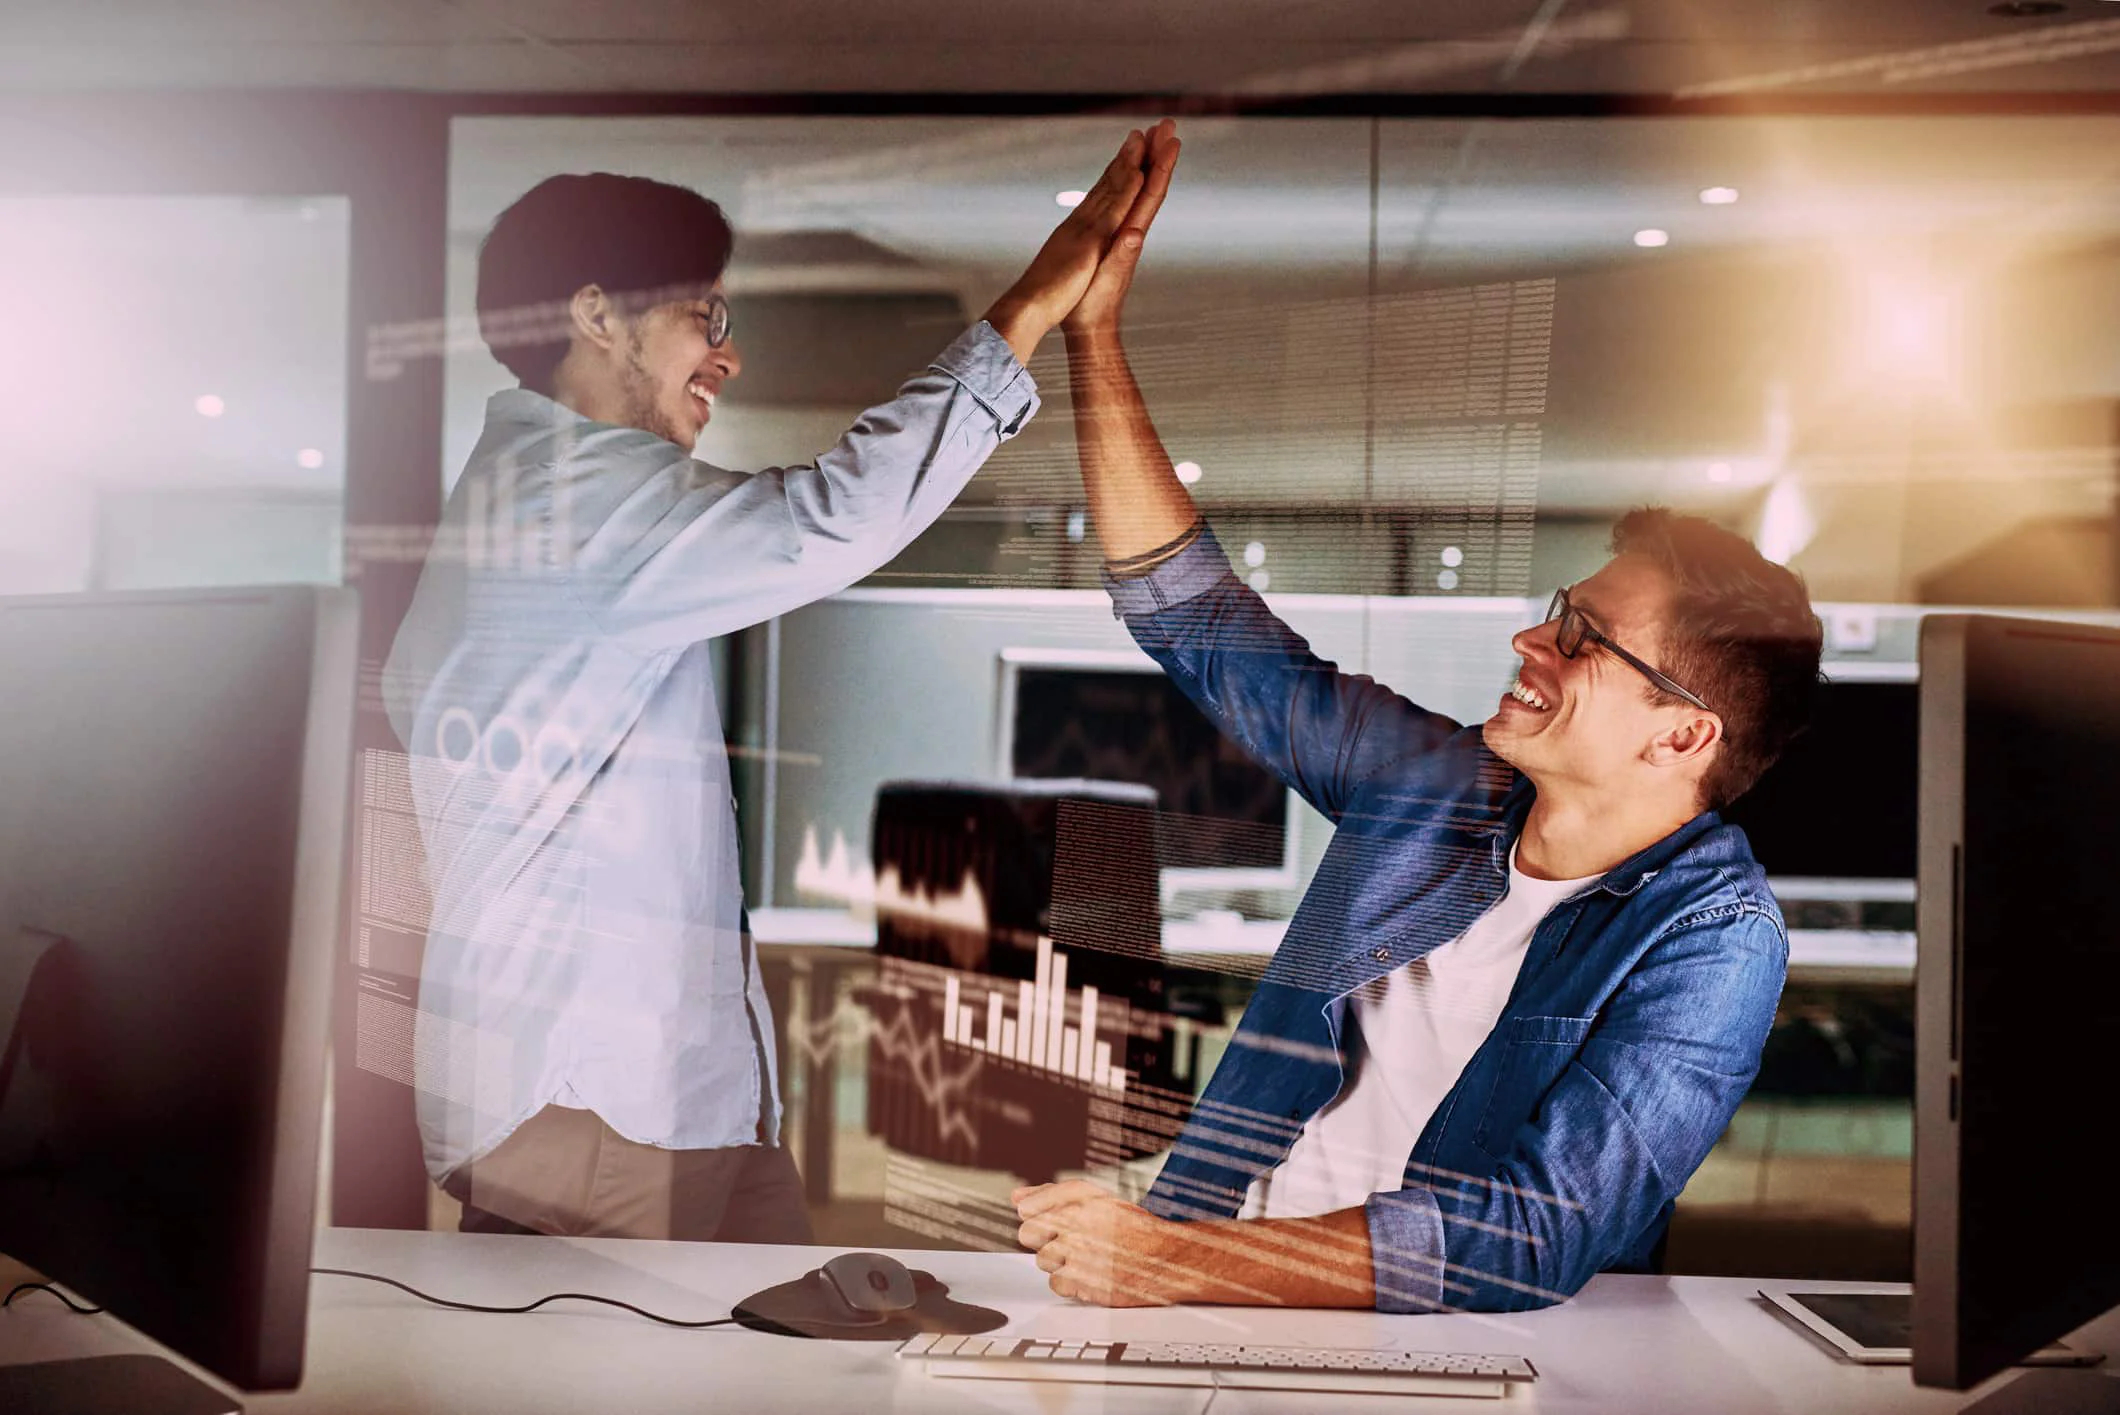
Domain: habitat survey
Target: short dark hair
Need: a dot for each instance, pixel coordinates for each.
(644, 242)
(1741, 635)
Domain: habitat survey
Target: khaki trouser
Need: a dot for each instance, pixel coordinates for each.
(565, 1172)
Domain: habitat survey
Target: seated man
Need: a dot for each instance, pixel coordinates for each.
(1532, 979)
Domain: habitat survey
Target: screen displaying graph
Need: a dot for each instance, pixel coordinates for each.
(1018, 1019)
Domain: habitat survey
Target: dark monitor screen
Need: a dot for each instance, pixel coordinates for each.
(2016, 981)
(1842, 801)
(173, 783)
(1222, 810)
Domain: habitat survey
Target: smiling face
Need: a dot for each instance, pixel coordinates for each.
(669, 375)
(1591, 721)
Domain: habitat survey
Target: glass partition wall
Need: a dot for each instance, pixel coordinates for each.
(1412, 370)
(175, 411)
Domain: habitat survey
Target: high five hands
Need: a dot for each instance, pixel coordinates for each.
(1079, 278)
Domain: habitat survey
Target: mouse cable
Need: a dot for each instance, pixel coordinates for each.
(527, 1307)
(21, 1287)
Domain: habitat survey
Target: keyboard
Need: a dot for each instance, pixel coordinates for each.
(1209, 1363)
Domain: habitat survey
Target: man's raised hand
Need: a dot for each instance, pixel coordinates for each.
(1065, 267)
(1098, 309)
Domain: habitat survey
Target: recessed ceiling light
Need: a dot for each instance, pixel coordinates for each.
(1717, 196)
(1447, 580)
(1453, 557)
(1652, 237)
(209, 405)
(310, 458)
(1069, 198)
(1255, 553)
(1259, 580)
(1188, 472)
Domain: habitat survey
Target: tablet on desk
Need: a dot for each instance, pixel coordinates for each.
(1877, 1327)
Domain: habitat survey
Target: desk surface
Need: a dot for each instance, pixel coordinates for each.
(1627, 1345)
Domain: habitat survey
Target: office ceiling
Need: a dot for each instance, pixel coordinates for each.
(1459, 199)
(1062, 46)
(955, 204)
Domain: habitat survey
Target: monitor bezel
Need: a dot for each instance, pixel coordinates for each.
(1946, 1355)
(269, 1352)
(1009, 663)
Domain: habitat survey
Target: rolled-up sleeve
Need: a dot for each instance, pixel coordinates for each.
(1406, 1251)
(1189, 574)
(983, 363)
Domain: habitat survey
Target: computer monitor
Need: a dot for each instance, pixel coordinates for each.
(2018, 972)
(1226, 822)
(173, 785)
(1835, 817)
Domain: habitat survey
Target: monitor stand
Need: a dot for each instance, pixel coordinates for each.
(98, 1385)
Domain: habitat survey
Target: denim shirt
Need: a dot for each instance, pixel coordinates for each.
(1632, 1032)
(552, 687)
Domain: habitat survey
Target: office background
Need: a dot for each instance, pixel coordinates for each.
(1409, 302)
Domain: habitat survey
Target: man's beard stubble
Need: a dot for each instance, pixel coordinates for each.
(642, 408)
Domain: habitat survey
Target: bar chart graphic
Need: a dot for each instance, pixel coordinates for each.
(1049, 1028)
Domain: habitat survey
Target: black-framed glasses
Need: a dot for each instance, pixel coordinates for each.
(1575, 630)
(716, 319)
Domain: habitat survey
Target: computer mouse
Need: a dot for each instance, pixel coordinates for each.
(869, 1286)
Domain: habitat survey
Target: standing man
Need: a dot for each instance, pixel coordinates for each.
(594, 1052)
(1532, 978)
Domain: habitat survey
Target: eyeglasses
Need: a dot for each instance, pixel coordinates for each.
(1575, 629)
(716, 318)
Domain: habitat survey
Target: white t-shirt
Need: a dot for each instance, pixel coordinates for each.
(1419, 1026)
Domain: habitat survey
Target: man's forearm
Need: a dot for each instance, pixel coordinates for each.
(1135, 498)
(1021, 324)
(1298, 1262)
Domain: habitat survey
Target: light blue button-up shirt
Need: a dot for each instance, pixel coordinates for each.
(551, 683)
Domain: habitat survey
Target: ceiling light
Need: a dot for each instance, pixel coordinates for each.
(1452, 556)
(1652, 237)
(310, 458)
(1717, 196)
(1447, 580)
(1786, 522)
(1188, 472)
(1259, 580)
(1255, 553)
(209, 405)
(1069, 198)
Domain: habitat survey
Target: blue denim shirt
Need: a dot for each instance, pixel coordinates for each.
(1632, 1032)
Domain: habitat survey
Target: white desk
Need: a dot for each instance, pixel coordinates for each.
(1625, 1346)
